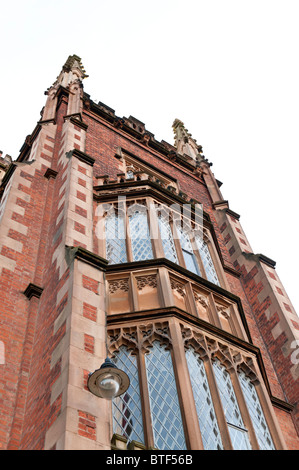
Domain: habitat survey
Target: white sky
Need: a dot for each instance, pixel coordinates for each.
(227, 68)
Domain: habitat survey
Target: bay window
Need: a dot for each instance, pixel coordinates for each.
(129, 237)
(152, 411)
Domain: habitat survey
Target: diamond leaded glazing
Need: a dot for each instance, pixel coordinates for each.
(207, 260)
(167, 239)
(187, 250)
(203, 401)
(164, 403)
(238, 434)
(115, 239)
(126, 409)
(140, 236)
(256, 413)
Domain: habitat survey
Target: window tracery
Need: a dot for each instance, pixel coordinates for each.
(152, 341)
(131, 236)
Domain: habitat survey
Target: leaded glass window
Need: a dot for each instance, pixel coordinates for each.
(207, 260)
(140, 236)
(203, 401)
(256, 413)
(189, 257)
(167, 238)
(237, 431)
(116, 251)
(165, 409)
(126, 409)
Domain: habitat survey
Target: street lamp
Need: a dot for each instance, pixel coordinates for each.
(108, 381)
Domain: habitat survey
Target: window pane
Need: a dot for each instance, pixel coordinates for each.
(165, 410)
(140, 236)
(189, 257)
(207, 260)
(126, 409)
(190, 262)
(115, 239)
(204, 406)
(167, 239)
(238, 434)
(256, 413)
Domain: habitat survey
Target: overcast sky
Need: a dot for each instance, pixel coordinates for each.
(228, 69)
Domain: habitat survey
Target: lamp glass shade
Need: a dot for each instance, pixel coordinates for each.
(108, 381)
(109, 385)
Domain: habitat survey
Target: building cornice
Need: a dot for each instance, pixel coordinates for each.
(145, 138)
(154, 189)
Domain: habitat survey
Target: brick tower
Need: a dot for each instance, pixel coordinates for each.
(115, 244)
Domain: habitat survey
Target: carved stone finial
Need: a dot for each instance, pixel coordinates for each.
(185, 143)
(70, 77)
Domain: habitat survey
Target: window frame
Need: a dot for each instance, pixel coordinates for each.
(153, 210)
(178, 337)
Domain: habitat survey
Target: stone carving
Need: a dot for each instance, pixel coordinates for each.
(196, 340)
(184, 142)
(122, 337)
(201, 299)
(118, 284)
(222, 353)
(245, 364)
(178, 286)
(149, 280)
(154, 332)
(223, 310)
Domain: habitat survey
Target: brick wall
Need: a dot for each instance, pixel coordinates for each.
(54, 333)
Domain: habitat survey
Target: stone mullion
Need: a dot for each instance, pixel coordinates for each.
(198, 259)
(127, 234)
(214, 312)
(177, 244)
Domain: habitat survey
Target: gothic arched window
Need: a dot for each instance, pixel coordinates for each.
(164, 403)
(237, 431)
(207, 261)
(127, 411)
(139, 233)
(256, 413)
(167, 238)
(188, 253)
(130, 237)
(203, 401)
(115, 233)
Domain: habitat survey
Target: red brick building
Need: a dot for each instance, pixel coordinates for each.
(112, 243)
